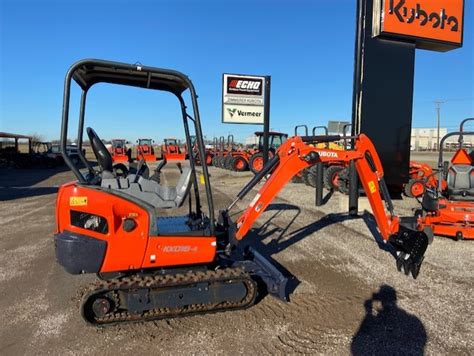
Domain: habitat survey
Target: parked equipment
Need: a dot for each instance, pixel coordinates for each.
(171, 150)
(220, 152)
(159, 266)
(422, 177)
(120, 152)
(275, 139)
(449, 209)
(145, 150)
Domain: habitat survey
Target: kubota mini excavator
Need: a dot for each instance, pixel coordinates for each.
(155, 265)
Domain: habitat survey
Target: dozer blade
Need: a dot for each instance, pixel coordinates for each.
(261, 268)
(411, 246)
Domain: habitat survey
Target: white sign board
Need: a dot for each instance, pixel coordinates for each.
(243, 98)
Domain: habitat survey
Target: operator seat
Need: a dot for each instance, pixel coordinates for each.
(461, 181)
(136, 185)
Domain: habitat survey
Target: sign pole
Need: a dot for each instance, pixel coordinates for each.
(266, 119)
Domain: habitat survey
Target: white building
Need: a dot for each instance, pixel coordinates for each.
(425, 139)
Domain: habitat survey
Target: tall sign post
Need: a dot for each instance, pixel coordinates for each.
(246, 100)
(387, 34)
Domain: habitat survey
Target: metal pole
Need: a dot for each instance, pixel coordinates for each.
(266, 119)
(319, 184)
(438, 111)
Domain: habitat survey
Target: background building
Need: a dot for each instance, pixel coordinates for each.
(425, 139)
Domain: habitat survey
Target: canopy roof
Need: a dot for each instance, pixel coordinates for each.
(88, 72)
(10, 135)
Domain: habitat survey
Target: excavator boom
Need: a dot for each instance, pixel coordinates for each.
(299, 152)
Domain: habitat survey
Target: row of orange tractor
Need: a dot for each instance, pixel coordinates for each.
(171, 150)
(228, 155)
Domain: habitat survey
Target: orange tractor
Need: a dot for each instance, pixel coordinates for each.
(145, 150)
(275, 140)
(331, 170)
(158, 261)
(171, 150)
(120, 152)
(209, 153)
(235, 158)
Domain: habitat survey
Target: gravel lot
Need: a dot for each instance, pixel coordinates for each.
(347, 295)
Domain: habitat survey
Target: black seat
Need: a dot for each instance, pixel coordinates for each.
(460, 181)
(102, 154)
(137, 185)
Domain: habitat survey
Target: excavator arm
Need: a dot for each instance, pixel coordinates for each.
(298, 153)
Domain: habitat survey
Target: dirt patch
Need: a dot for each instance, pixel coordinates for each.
(347, 295)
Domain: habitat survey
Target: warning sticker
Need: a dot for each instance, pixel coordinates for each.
(78, 201)
(252, 203)
(372, 187)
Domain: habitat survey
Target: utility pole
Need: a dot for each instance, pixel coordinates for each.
(438, 111)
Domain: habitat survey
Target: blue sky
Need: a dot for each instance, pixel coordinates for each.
(306, 49)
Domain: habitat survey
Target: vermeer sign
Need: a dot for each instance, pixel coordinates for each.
(433, 24)
(243, 99)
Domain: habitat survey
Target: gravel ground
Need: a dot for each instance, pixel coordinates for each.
(347, 295)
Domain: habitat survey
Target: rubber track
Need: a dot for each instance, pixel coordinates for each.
(167, 281)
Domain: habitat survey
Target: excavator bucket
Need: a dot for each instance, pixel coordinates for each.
(411, 246)
(262, 269)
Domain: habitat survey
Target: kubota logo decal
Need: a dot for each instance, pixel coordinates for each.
(245, 86)
(435, 19)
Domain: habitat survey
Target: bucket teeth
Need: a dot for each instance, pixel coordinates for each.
(411, 246)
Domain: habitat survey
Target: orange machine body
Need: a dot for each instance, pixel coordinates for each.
(145, 151)
(452, 219)
(128, 250)
(171, 151)
(422, 176)
(291, 155)
(119, 152)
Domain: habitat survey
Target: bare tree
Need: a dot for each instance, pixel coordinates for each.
(36, 137)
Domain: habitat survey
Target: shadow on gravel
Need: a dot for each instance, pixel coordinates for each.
(369, 220)
(13, 193)
(280, 240)
(387, 329)
(19, 183)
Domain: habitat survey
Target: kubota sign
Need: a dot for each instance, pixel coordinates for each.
(432, 24)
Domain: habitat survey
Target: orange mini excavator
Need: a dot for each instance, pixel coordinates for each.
(153, 264)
